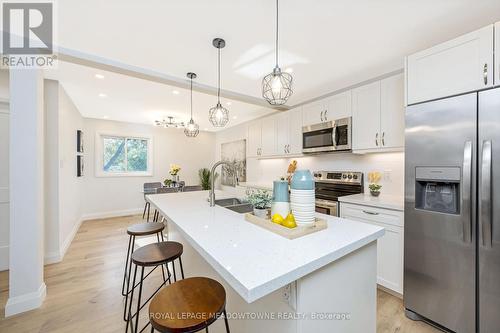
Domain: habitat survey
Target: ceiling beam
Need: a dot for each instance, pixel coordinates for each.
(89, 60)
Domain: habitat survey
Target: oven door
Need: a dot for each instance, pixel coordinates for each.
(327, 207)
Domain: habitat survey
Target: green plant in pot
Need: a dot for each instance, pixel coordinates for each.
(205, 178)
(375, 189)
(167, 182)
(261, 201)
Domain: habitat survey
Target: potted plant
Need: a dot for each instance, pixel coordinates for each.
(374, 178)
(261, 201)
(206, 179)
(167, 182)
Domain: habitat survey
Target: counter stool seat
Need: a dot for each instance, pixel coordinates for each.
(144, 229)
(157, 253)
(188, 305)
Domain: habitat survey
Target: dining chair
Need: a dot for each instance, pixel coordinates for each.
(160, 190)
(149, 188)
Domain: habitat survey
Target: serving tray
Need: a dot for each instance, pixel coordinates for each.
(298, 231)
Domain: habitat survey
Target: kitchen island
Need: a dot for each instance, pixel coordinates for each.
(322, 282)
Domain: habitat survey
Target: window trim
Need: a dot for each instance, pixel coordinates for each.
(99, 149)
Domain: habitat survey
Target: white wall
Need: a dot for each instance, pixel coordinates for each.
(4, 170)
(63, 189)
(267, 170)
(111, 196)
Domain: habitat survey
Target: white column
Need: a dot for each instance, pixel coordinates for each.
(26, 287)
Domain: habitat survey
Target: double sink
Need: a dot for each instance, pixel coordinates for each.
(235, 204)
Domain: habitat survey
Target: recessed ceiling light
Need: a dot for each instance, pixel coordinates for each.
(205, 129)
(105, 117)
(103, 95)
(235, 117)
(289, 70)
(229, 103)
(99, 76)
(175, 92)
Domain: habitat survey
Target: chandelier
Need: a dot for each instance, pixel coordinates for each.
(169, 123)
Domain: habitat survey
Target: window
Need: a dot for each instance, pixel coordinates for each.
(123, 155)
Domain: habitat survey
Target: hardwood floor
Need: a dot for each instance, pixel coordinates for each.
(83, 291)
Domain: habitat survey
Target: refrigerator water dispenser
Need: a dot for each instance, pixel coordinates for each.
(438, 189)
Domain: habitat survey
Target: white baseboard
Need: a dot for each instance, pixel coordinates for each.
(116, 213)
(25, 302)
(70, 237)
(4, 258)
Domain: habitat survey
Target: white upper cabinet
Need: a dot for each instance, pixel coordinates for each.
(295, 127)
(289, 132)
(269, 147)
(338, 106)
(366, 116)
(497, 54)
(314, 113)
(254, 144)
(454, 67)
(392, 112)
(282, 133)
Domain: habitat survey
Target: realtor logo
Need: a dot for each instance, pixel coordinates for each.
(27, 29)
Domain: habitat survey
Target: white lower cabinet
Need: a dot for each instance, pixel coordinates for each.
(389, 247)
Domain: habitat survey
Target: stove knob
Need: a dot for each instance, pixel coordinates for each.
(355, 176)
(344, 176)
(350, 176)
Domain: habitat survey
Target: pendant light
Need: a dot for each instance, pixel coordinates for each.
(218, 115)
(192, 129)
(277, 86)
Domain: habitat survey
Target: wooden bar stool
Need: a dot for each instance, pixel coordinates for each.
(189, 305)
(152, 255)
(135, 230)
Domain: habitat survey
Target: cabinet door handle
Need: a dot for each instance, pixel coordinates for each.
(485, 74)
(376, 139)
(370, 213)
(326, 111)
(288, 149)
(321, 115)
(383, 138)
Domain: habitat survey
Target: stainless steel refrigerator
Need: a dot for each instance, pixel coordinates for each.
(452, 212)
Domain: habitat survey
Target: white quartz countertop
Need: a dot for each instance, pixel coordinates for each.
(382, 201)
(252, 260)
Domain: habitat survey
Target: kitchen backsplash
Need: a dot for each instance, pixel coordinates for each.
(390, 165)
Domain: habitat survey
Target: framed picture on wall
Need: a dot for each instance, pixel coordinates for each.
(79, 141)
(79, 165)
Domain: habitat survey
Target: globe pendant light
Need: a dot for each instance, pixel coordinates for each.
(218, 115)
(192, 129)
(277, 86)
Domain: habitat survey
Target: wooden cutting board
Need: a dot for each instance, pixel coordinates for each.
(299, 231)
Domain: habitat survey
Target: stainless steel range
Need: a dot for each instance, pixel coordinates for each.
(330, 185)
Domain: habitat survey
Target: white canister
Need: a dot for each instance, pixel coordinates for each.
(282, 208)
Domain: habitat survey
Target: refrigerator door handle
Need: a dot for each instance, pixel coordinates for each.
(485, 195)
(466, 193)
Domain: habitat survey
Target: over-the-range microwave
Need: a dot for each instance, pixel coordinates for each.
(329, 136)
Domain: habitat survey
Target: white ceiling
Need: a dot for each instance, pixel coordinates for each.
(139, 101)
(329, 44)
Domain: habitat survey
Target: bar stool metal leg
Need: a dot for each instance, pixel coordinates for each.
(128, 280)
(226, 322)
(126, 265)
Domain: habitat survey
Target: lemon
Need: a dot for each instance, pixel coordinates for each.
(277, 218)
(289, 222)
